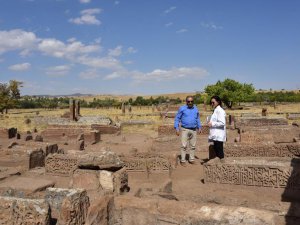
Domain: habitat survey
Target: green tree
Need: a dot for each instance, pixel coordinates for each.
(230, 91)
(9, 95)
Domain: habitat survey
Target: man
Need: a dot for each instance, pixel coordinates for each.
(188, 117)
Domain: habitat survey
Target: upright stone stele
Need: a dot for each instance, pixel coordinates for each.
(72, 109)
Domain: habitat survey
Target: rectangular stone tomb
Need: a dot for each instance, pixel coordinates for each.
(18, 211)
(260, 121)
(60, 164)
(69, 206)
(285, 134)
(147, 162)
(267, 172)
(290, 150)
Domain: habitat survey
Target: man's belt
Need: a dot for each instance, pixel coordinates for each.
(189, 128)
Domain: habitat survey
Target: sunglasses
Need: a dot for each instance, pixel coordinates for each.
(189, 101)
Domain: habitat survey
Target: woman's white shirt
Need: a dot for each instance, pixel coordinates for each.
(217, 131)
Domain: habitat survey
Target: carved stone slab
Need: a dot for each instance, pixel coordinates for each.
(69, 206)
(147, 162)
(260, 121)
(17, 211)
(277, 173)
(60, 164)
(291, 150)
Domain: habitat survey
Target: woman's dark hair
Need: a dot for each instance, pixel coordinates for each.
(217, 98)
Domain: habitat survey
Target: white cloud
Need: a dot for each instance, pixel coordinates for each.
(112, 76)
(172, 8)
(100, 62)
(59, 49)
(61, 70)
(84, 1)
(172, 74)
(117, 2)
(115, 52)
(87, 17)
(181, 31)
(211, 26)
(168, 24)
(89, 74)
(20, 67)
(16, 40)
(131, 50)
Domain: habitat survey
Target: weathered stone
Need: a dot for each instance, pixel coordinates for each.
(290, 150)
(98, 212)
(6, 172)
(262, 172)
(38, 138)
(24, 186)
(104, 159)
(36, 158)
(69, 206)
(28, 137)
(136, 211)
(51, 148)
(106, 180)
(147, 162)
(12, 144)
(164, 130)
(80, 145)
(260, 121)
(85, 179)
(120, 181)
(17, 211)
(166, 186)
(61, 164)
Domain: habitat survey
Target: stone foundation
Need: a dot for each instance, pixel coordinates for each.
(260, 121)
(166, 130)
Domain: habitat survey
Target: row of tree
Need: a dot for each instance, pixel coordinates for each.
(230, 91)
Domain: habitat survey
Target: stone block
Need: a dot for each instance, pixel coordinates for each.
(261, 172)
(69, 206)
(61, 164)
(106, 180)
(24, 186)
(85, 179)
(36, 158)
(18, 211)
(260, 121)
(290, 150)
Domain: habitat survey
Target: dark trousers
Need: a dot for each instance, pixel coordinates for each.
(218, 147)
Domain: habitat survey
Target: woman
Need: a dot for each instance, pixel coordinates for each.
(217, 124)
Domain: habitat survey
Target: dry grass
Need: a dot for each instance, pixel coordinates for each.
(20, 118)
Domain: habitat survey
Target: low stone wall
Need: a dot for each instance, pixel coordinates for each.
(262, 150)
(18, 211)
(276, 173)
(106, 129)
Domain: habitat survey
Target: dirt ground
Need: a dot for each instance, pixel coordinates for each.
(187, 183)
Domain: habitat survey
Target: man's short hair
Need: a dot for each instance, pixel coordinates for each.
(187, 97)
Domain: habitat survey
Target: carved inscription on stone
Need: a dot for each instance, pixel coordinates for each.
(60, 164)
(252, 175)
(147, 162)
(262, 150)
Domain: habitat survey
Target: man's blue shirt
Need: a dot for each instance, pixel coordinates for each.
(188, 117)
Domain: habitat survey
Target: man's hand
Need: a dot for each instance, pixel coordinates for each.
(209, 124)
(177, 132)
(199, 131)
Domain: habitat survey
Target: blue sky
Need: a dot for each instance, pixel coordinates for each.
(148, 46)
